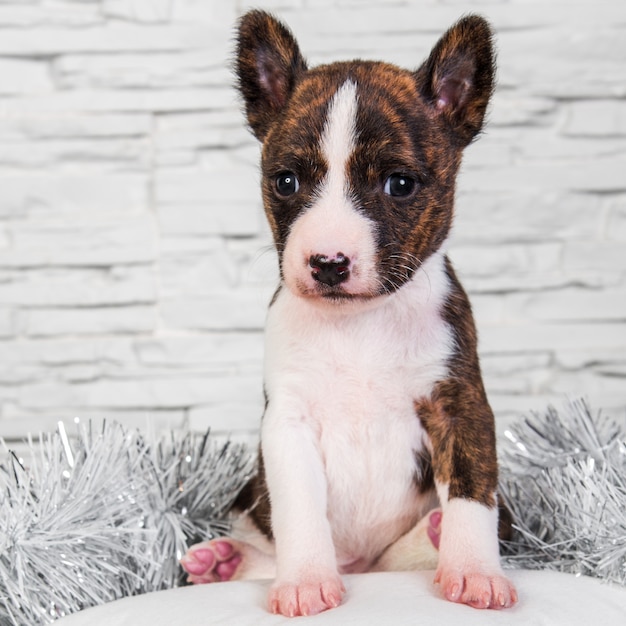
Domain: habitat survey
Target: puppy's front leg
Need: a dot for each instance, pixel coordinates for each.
(307, 581)
(459, 423)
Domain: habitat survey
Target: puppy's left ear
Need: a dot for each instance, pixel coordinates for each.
(268, 66)
(457, 80)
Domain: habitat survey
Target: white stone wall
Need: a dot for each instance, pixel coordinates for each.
(135, 265)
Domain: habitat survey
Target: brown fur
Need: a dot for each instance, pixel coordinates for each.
(458, 418)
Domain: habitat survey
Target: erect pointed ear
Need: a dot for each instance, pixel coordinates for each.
(268, 66)
(458, 77)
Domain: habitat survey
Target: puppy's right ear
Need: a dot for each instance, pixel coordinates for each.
(268, 66)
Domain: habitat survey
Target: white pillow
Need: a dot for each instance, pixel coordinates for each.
(398, 598)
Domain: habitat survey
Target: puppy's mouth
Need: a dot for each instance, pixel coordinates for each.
(336, 295)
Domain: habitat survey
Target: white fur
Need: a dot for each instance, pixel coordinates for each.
(332, 225)
(469, 535)
(340, 434)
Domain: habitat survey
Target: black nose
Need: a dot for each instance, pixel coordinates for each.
(330, 271)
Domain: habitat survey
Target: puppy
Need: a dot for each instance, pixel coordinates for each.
(375, 407)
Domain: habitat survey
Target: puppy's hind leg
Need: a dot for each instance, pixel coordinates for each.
(416, 550)
(225, 559)
(246, 555)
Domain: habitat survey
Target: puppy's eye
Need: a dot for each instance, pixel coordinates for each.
(286, 184)
(399, 185)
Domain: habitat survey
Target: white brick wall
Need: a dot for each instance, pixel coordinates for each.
(134, 261)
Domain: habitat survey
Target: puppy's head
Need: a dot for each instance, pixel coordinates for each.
(359, 158)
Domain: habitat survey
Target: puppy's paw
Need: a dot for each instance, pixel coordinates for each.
(434, 527)
(309, 596)
(212, 561)
(476, 588)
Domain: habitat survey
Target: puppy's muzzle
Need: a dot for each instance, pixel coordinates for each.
(330, 271)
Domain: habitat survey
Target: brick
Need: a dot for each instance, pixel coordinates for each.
(121, 101)
(548, 144)
(612, 370)
(602, 174)
(112, 353)
(527, 337)
(211, 218)
(276, 5)
(141, 71)
(217, 264)
(97, 242)
(585, 61)
(223, 14)
(72, 194)
(594, 383)
(215, 198)
(7, 322)
(65, 125)
(149, 11)
(508, 384)
(118, 37)
(23, 76)
(222, 310)
(578, 359)
(214, 352)
(89, 321)
(218, 180)
(197, 274)
(80, 373)
(78, 287)
(487, 309)
(162, 392)
(535, 281)
(516, 109)
(571, 304)
(499, 365)
(600, 255)
(228, 418)
(509, 408)
(68, 14)
(256, 258)
(513, 215)
(17, 421)
(510, 259)
(523, 374)
(201, 131)
(616, 228)
(597, 118)
(383, 19)
(126, 152)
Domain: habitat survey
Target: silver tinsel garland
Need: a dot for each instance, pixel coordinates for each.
(563, 476)
(102, 515)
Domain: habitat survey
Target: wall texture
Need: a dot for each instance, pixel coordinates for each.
(134, 260)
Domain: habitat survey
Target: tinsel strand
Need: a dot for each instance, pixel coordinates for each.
(107, 514)
(563, 476)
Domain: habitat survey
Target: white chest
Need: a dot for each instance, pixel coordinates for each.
(353, 380)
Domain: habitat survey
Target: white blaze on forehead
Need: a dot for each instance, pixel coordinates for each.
(333, 224)
(339, 137)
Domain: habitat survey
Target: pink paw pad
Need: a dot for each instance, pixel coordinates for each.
(434, 527)
(211, 561)
(306, 598)
(478, 590)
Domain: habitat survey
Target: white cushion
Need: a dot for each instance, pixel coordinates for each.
(398, 598)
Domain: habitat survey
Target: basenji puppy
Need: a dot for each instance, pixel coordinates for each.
(375, 412)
